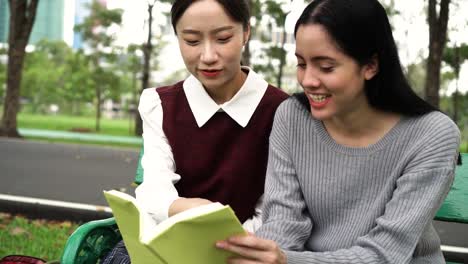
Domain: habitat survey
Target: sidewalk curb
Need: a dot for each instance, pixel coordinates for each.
(90, 137)
(36, 208)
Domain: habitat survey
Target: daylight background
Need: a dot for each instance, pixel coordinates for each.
(91, 59)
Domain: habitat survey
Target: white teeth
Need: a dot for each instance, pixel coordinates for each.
(318, 97)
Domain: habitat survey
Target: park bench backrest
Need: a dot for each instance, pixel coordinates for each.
(455, 206)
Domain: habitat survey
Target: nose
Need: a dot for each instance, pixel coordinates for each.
(308, 78)
(209, 54)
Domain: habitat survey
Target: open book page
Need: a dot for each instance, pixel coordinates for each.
(192, 240)
(151, 230)
(188, 237)
(130, 218)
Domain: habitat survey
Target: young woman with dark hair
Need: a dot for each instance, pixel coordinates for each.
(206, 138)
(358, 164)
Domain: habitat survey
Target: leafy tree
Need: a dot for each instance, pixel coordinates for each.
(44, 74)
(437, 39)
(22, 15)
(455, 57)
(78, 80)
(416, 73)
(133, 67)
(274, 54)
(95, 33)
(255, 12)
(147, 52)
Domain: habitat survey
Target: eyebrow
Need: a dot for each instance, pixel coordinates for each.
(214, 31)
(316, 58)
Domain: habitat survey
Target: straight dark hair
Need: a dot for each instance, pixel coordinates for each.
(238, 10)
(361, 30)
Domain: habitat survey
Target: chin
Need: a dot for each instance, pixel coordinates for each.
(320, 115)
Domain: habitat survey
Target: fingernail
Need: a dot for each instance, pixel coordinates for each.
(220, 244)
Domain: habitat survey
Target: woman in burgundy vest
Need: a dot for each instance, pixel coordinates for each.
(206, 138)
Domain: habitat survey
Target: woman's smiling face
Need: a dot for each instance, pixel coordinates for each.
(332, 81)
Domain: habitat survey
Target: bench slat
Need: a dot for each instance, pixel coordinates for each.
(455, 206)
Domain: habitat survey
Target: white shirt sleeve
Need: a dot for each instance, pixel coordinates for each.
(157, 192)
(255, 222)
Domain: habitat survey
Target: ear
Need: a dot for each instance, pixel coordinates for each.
(246, 35)
(371, 68)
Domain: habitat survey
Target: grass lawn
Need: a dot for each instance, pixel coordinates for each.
(112, 127)
(115, 127)
(39, 238)
(464, 147)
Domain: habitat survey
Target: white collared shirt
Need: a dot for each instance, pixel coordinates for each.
(157, 192)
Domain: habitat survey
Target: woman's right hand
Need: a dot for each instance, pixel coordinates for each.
(183, 204)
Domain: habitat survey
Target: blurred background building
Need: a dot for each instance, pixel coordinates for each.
(54, 20)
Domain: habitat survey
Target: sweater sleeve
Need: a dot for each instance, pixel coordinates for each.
(285, 217)
(418, 194)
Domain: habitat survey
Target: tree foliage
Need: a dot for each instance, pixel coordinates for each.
(100, 50)
(273, 54)
(454, 57)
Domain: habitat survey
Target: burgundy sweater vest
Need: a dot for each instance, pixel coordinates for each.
(220, 161)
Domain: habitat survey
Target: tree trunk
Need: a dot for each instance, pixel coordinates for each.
(246, 54)
(282, 58)
(98, 108)
(457, 76)
(147, 50)
(437, 40)
(22, 15)
(97, 91)
(131, 129)
(245, 61)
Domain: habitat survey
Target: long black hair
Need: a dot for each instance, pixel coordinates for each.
(361, 30)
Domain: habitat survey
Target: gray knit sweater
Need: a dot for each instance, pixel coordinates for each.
(328, 203)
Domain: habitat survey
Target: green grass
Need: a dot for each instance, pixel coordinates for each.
(115, 127)
(38, 238)
(464, 147)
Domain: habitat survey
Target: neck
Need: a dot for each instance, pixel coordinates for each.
(362, 127)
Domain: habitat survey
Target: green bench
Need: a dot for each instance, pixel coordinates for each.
(92, 240)
(455, 206)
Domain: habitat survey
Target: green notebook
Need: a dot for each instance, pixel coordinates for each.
(188, 237)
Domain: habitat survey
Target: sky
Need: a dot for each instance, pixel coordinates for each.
(410, 30)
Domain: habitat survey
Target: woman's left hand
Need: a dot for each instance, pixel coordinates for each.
(251, 249)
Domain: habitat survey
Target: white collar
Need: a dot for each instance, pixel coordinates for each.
(241, 106)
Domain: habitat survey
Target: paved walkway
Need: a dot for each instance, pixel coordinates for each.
(51, 176)
(40, 133)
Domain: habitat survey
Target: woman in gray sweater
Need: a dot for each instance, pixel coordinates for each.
(358, 163)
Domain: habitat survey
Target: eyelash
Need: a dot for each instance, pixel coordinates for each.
(191, 42)
(224, 40)
(327, 69)
(301, 65)
(220, 40)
